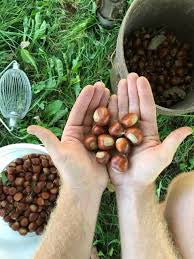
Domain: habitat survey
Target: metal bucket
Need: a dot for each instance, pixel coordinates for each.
(177, 16)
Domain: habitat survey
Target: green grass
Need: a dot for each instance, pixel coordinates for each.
(68, 50)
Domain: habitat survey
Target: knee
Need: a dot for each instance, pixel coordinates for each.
(180, 194)
(181, 184)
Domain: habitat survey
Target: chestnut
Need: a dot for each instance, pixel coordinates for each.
(45, 195)
(12, 190)
(129, 120)
(24, 222)
(39, 230)
(120, 163)
(90, 142)
(11, 170)
(123, 145)
(101, 116)
(18, 196)
(97, 130)
(19, 181)
(33, 208)
(105, 142)
(116, 129)
(15, 226)
(32, 226)
(11, 178)
(23, 231)
(103, 157)
(135, 135)
(40, 201)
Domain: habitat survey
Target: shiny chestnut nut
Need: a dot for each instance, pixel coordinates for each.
(123, 145)
(116, 129)
(135, 135)
(105, 142)
(97, 130)
(90, 142)
(101, 116)
(23, 231)
(129, 120)
(103, 157)
(120, 163)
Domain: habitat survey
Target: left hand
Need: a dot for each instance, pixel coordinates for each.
(149, 159)
(77, 167)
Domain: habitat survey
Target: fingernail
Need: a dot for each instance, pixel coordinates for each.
(99, 84)
(191, 129)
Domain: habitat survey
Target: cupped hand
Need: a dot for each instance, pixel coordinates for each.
(77, 167)
(149, 159)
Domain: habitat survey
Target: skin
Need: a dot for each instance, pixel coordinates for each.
(179, 213)
(72, 224)
(140, 216)
(139, 220)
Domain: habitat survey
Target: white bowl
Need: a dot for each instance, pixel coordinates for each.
(12, 244)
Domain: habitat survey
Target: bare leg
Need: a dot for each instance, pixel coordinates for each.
(179, 212)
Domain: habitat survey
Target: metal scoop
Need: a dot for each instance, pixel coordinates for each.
(15, 94)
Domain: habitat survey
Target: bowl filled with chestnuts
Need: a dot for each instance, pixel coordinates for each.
(155, 41)
(29, 186)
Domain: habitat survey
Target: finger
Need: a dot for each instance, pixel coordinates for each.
(105, 98)
(49, 140)
(173, 141)
(146, 99)
(94, 104)
(78, 112)
(133, 93)
(113, 107)
(123, 99)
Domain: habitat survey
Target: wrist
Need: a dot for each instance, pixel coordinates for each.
(86, 199)
(134, 192)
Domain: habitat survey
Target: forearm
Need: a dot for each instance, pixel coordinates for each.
(71, 227)
(143, 229)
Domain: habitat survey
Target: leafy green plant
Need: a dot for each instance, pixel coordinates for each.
(62, 47)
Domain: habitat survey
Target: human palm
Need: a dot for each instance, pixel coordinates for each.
(149, 159)
(77, 166)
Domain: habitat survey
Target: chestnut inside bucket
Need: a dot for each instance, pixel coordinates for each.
(173, 15)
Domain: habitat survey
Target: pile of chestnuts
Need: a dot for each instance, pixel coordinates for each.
(113, 141)
(164, 60)
(29, 189)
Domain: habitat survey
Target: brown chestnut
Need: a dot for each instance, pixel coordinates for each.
(103, 157)
(18, 196)
(101, 116)
(120, 163)
(97, 130)
(135, 135)
(33, 208)
(123, 145)
(105, 142)
(116, 129)
(45, 195)
(15, 226)
(90, 142)
(23, 231)
(24, 222)
(129, 120)
(32, 226)
(19, 181)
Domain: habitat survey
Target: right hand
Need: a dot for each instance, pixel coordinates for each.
(77, 166)
(149, 159)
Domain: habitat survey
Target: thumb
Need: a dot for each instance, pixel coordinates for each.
(49, 140)
(173, 141)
